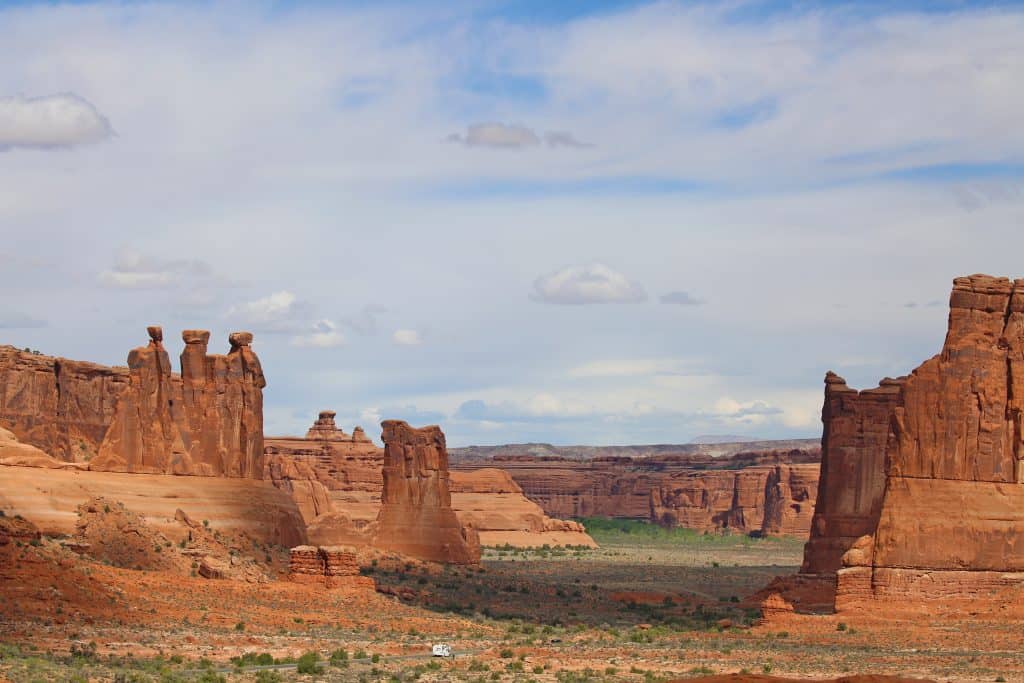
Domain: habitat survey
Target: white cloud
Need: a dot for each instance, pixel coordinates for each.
(407, 337)
(279, 312)
(51, 121)
(591, 284)
(324, 335)
(133, 270)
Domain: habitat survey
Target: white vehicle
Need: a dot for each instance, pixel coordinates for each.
(441, 650)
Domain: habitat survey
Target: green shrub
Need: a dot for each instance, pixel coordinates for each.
(307, 664)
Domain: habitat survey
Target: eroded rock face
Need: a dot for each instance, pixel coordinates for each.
(922, 487)
(689, 490)
(58, 405)
(755, 500)
(416, 516)
(208, 421)
(326, 565)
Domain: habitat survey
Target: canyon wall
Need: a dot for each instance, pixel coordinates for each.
(756, 500)
(922, 489)
(58, 405)
(416, 516)
(771, 492)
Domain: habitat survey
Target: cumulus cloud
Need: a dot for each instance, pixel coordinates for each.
(512, 136)
(595, 283)
(10, 320)
(51, 121)
(279, 312)
(324, 335)
(407, 337)
(133, 270)
(681, 299)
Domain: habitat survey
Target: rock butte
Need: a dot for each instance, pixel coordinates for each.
(921, 493)
(416, 516)
(337, 482)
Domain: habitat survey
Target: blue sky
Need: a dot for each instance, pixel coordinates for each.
(611, 222)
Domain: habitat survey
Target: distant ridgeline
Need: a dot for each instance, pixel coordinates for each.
(768, 491)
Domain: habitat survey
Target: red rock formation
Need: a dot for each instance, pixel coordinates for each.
(852, 479)
(58, 405)
(208, 421)
(922, 487)
(416, 516)
(493, 504)
(339, 461)
(693, 491)
(16, 453)
(331, 566)
(761, 500)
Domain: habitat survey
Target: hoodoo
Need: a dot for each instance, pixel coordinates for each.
(921, 493)
(416, 516)
(208, 421)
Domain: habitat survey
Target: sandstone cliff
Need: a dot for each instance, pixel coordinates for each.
(207, 421)
(416, 516)
(58, 405)
(690, 490)
(922, 487)
(755, 500)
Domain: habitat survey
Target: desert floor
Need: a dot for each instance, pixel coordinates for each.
(649, 605)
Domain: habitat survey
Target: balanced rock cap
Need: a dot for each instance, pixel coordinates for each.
(237, 339)
(156, 333)
(195, 336)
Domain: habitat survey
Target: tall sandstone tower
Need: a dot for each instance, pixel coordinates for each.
(922, 482)
(416, 516)
(207, 421)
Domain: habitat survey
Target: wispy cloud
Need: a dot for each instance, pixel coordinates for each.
(134, 270)
(323, 335)
(278, 312)
(512, 136)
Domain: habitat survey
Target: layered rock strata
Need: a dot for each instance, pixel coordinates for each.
(416, 516)
(756, 500)
(207, 421)
(330, 566)
(60, 406)
(762, 492)
(922, 487)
